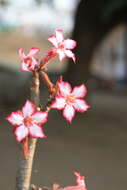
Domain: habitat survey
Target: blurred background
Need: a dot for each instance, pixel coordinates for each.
(95, 143)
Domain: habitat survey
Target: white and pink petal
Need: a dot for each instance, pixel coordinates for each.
(59, 35)
(40, 117)
(64, 88)
(61, 54)
(21, 132)
(36, 131)
(15, 118)
(33, 51)
(24, 67)
(69, 54)
(59, 103)
(80, 105)
(28, 109)
(53, 40)
(21, 53)
(69, 112)
(34, 62)
(79, 91)
(69, 44)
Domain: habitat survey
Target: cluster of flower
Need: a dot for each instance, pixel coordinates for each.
(28, 121)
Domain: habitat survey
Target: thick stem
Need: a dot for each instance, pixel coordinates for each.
(25, 166)
(51, 54)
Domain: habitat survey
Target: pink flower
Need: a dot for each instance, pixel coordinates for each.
(80, 180)
(62, 46)
(28, 122)
(28, 61)
(70, 100)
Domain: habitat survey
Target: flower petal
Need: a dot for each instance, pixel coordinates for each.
(24, 67)
(69, 44)
(21, 53)
(15, 118)
(21, 132)
(59, 35)
(69, 112)
(33, 51)
(28, 109)
(80, 105)
(34, 62)
(79, 91)
(36, 131)
(70, 54)
(64, 88)
(59, 103)
(61, 54)
(53, 40)
(80, 180)
(40, 117)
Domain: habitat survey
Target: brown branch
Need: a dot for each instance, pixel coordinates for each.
(25, 166)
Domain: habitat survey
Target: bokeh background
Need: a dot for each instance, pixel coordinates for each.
(96, 142)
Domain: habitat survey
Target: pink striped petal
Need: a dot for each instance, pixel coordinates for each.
(40, 117)
(33, 51)
(21, 132)
(69, 44)
(36, 131)
(59, 35)
(59, 103)
(24, 67)
(79, 91)
(70, 54)
(29, 67)
(69, 112)
(53, 40)
(28, 109)
(15, 118)
(64, 88)
(34, 62)
(21, 53)
(80, 105)
(61, 54)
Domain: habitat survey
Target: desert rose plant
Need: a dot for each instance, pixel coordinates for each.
(28, 123)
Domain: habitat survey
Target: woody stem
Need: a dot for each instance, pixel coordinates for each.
(23, 179)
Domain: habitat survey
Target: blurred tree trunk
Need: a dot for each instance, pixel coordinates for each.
(89, 30)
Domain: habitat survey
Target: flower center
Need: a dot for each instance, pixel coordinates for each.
(28, 121)
(61, 45)
(70, 99)
(28, 60)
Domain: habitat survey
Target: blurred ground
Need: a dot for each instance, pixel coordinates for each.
(95, 144)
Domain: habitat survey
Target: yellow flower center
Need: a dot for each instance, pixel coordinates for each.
(70, 99)
(28, 121)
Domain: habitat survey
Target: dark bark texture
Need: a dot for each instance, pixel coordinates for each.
(91, 26)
